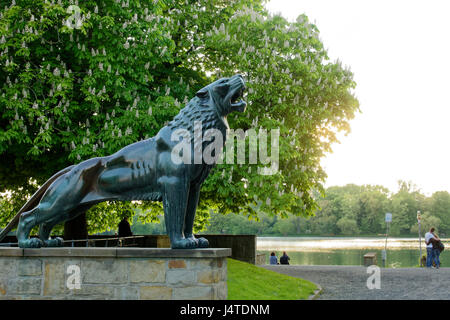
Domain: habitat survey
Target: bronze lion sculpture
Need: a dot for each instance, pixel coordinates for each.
(144, 170)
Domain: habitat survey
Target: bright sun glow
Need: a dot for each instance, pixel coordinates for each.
(399, 54)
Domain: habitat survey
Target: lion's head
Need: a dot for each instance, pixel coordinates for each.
(225, 93)
(211, 105)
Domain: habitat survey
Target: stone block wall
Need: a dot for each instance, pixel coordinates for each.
(113, 273)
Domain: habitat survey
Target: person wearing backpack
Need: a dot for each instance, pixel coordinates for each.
(437, 250)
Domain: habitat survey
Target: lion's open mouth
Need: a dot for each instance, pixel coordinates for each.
(238, 104)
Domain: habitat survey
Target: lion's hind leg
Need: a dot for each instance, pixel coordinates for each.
(39, 216)
(55, 207)
(28, 220)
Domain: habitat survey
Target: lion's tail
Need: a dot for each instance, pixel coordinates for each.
(32, 202)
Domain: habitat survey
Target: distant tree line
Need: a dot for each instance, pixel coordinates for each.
(351, 210)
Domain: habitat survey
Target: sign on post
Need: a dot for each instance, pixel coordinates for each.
(388, 217)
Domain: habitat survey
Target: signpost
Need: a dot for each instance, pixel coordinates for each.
(387, 219)
(419, 218)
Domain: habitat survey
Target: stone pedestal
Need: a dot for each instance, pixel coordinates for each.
(113, 273)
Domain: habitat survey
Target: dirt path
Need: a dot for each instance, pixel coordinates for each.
(350, 282)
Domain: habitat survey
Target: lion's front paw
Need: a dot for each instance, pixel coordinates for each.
(57, 242)
(199, 242)
(184, 244)
(31, 243)
(203, 243)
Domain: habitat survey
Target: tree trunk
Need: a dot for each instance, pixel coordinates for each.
(76, 229)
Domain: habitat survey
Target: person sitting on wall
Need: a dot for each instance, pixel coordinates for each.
(124, 228)
(284, 259)
(273, 258)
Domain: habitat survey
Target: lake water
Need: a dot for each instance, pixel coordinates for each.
(401, 252)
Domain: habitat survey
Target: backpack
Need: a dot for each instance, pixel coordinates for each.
(437, 244)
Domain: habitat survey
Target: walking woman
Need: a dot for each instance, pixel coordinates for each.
(433, 252)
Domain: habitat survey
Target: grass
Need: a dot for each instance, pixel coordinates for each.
(249, 282)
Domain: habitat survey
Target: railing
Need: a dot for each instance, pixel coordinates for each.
(8, 244)
(114, 241)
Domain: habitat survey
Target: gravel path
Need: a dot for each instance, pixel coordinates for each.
(350, 282)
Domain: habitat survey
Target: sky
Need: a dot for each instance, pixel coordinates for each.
(399, 52)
